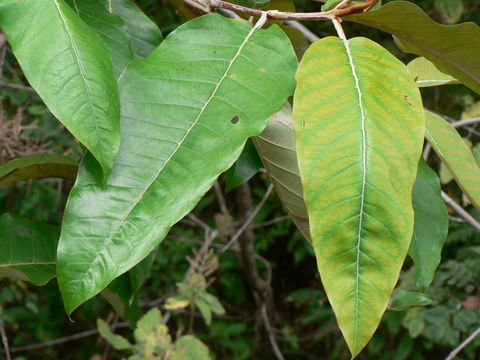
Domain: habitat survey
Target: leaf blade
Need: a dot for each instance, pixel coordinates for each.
(455, 154)
(27, 250)
(38, 166)
(415, 32)
(196, 146)
(72, 71)
(361, 223)
(431, 225)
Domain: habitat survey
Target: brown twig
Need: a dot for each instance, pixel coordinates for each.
(341, 10)
(461, 211)
(460, 347)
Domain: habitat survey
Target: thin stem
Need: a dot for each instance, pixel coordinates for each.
(4, 339)
(271, 335)
(461, 211)
(342, 9)
(461, 123)
(248, 221)
(460, 347)
(339, 29)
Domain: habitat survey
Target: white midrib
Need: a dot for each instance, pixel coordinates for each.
(82, 73)
(362, 194)
(197, 119)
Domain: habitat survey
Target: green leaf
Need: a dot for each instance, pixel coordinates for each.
(453, 49)
(144, 35)
(177, 138)
(27, 249)
(247, 165)
(141, 271)
(38, 166)
(123, 299)
(118, 342)
(402, 300)
(69, 66)
(188, 347)
(151, 334)
(110, 27)
(426, 74)
(451, 11)
(204, 310)
(276, 147)
(456, 155)
(357, 190)
(431, 225)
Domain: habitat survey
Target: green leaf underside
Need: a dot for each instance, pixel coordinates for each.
(27, 249)
(247, 165)
(38, 166)
(110, 27)
(431, 225)
(174, 145)
(456, 155)
(144, 34)
(454, 49)
(69, 66)
(358, 190)
(402, 300)
(276, 147)
(426, 74)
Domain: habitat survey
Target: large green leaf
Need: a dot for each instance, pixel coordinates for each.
(27, 249)
(276, 147)
(431, 225)
(454, 49)
(359, 127)
(110, 27)
(247, 165)
(38, 166)
(177, 137)
(456, 155)
(426, 74)
(144, 35)
(69, 66)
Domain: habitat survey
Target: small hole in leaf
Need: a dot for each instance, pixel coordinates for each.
(235, 119)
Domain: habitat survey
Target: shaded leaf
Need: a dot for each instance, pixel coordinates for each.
(38, 166)
(174, 144)
(358, 190)
(276, 146)
(402, 300)
(451, 11)
(431, 225)
(118, 342)
(426, 74)
(71, 71)
(110, 27)
(247, 165)
(123, 299)
(27, 249)
(144, 34)
(141, 271)
(455, 49)
(456, 155)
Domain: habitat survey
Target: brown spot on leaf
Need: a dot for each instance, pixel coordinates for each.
(235, 119)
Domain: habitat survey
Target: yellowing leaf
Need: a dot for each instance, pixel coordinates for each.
(426, 74)
(456, 155)
(359, 127)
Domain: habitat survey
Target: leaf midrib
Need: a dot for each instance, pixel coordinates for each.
(362, 195)
(154, 178)
(84, 80)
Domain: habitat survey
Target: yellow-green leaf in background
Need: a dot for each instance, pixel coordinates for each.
(455, 154)
(426, 74)
(359, 127)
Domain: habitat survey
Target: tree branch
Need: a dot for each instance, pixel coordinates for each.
(4, 339)
(461, 211)
(460, 347)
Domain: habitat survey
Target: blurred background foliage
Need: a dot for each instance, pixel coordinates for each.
(304, 323)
